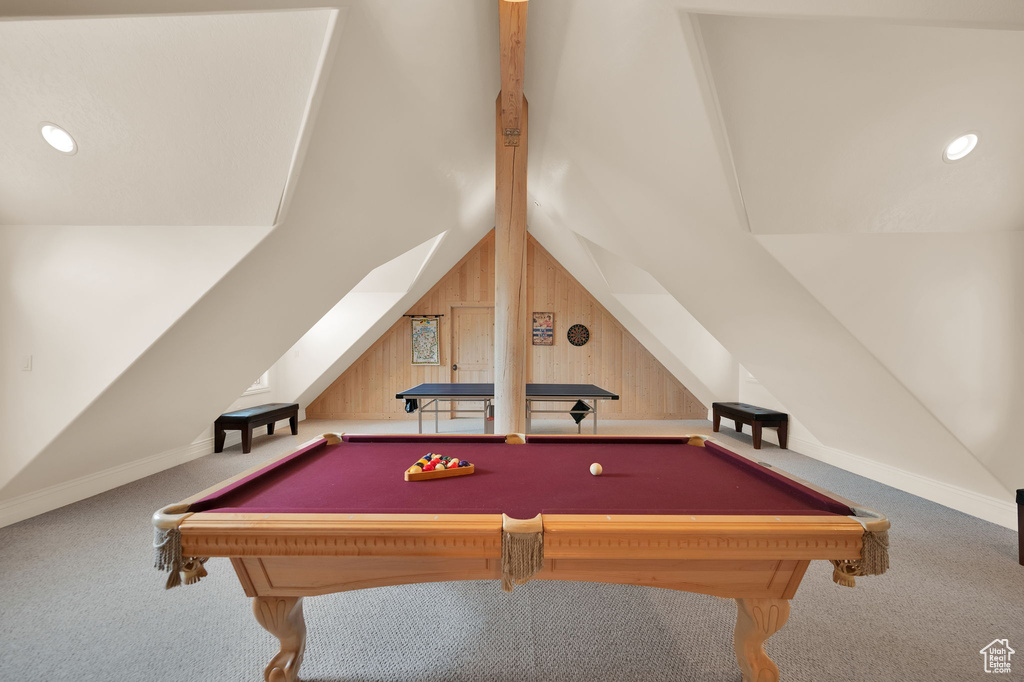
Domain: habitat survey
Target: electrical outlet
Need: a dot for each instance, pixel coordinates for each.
(26, 363)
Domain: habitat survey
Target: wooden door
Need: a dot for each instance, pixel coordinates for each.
(472, 345)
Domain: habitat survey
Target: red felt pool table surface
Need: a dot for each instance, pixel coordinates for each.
(547, 475)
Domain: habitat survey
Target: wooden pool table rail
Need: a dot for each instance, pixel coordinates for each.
(565, 535)
(757, 560)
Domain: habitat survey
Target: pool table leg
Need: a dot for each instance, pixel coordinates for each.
(756, 621)
(282, 617)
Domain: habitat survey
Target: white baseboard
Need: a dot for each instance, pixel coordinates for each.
(41, 501)
(1001, 512)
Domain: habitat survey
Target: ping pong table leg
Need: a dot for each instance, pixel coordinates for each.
(488, 418)
(594, 409)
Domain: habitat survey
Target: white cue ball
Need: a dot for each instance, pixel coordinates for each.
(596, 469)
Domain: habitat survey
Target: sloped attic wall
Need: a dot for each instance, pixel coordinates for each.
(667, 329)
(180, 169)
(84, 303)
(918, 258)
(179, 119)
(701, 353)
(613, 358)
(340, 336)
(308, 364)
(665, 197)
(628, 148)
(341, 220)
(944, 313)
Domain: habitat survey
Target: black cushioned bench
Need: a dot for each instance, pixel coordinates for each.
(251, 417)
(742, 413)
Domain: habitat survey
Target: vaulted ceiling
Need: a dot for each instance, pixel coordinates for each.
(744, 162)
(839, 126)
(180, 120)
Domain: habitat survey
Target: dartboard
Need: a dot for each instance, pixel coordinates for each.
(578, 335)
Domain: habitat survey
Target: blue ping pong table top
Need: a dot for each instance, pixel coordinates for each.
(487, 391)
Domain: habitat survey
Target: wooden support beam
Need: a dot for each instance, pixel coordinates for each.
(510, 314)
(512, 36)
(510, 324)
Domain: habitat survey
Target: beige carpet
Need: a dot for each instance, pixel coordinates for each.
(79, 601)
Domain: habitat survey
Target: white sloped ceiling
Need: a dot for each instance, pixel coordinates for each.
(179, 120)
(697, 148)
(392, 157)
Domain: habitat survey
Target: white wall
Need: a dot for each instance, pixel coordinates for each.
(314, 359)
(753, 392)
(84, 302)
(268, 394)
(650, 314)
(944, 314)
(686, 339)
(628, 149)
(368, 186)
(665, 198)
(445, 251)
(185, 118)
(670, 322)
(329, 339)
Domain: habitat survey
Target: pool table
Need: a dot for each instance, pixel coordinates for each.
(681, 513)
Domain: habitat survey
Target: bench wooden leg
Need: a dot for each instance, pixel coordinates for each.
(270, 428)
(218, 439)
(294, 423)
(716, 421)
(757, 434)
(783, 434)
(247, 439)
(739, 426)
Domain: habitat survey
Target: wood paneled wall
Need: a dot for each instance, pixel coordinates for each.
(613, 359)
(366, 390)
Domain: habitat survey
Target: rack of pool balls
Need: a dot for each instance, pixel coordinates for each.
(438, 466)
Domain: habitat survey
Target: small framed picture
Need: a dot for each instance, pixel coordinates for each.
(426, 347)
(543, 329)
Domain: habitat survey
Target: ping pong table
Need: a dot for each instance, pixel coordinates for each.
(584, 398)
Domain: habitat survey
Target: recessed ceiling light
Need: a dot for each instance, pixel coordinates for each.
(960, 147)
(59, 139)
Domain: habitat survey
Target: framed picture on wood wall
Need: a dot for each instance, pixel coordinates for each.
(426, 347)
(543, 329)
